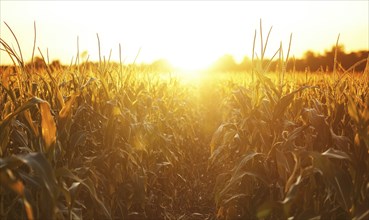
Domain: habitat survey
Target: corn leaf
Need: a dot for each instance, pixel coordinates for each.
(48, 125)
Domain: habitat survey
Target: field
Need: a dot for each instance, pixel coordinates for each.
(107, 141)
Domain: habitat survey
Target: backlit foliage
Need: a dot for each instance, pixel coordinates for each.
(111, 143)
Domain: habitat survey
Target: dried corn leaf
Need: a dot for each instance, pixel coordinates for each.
(28, 208)
(48, 125)
(8, 180)
(28, 117)
(66, 111)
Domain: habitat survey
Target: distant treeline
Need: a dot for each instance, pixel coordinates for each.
(311, 62)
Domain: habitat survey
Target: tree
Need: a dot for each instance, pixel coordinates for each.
(161, 65)
(225, 63)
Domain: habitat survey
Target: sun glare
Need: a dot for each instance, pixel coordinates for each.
(190, 62)
(190, 76)
(190, 35)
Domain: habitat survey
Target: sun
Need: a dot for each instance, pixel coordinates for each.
(189, 69)
(191, 61)
(190, 64)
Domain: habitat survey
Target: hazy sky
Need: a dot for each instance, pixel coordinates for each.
(187, 33)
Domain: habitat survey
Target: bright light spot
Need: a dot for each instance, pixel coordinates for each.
(189, 76)
(189, 34)
(190, 62)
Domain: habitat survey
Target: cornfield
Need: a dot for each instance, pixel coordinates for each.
(113, 142)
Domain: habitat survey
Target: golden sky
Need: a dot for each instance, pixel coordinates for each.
(190, 34)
